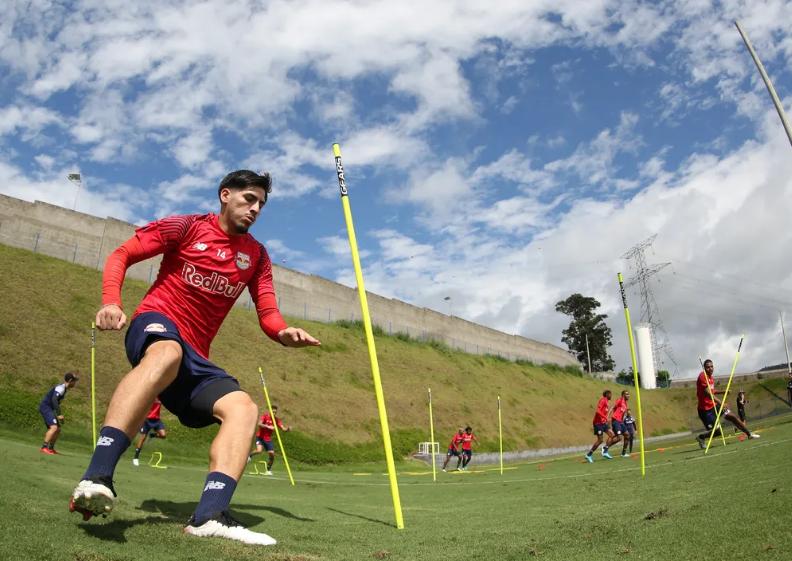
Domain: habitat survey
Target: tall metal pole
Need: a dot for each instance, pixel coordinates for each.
(786, 347)
(75, 178)
(588, 355)
(768, 83)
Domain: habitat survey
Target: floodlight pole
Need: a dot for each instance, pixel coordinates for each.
(75, 178)
(767, 82)
(786, 347)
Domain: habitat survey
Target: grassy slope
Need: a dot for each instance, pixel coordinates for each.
(48, 304)
(731, 504)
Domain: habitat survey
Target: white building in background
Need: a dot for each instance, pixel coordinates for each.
(646, 368)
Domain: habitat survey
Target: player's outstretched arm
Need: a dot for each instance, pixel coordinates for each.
(110, 316)
(297, 337)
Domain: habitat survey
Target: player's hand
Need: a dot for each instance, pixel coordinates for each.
(297, 337)
(110, 317)
(60, 419)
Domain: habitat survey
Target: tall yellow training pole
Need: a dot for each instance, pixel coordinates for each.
(725, 395)
(635, 372)
(375, 373)
(93, 381)
(712, 397)
(275, 423)
(500, 435)
(431, 437)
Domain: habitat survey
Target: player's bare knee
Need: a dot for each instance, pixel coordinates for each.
(236, 407)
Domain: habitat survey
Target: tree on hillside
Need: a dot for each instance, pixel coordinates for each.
(585, 321)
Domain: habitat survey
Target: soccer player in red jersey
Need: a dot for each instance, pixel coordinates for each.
(708, 404)
(617, 423)
(468, 438)
(453, 448)
(207, 262)
(152, 426)
(601, 426)
(264, 437)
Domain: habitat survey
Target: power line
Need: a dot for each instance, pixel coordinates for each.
(649, 311)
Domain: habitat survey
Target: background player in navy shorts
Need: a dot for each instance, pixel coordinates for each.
(207, 262)
(51, 412)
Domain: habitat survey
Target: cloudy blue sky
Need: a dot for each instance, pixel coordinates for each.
(505, 154)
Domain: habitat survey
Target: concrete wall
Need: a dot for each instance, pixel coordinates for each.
(87, 240)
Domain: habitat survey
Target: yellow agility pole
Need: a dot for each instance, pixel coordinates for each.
(500, 435)
(712, 397)
(275, 424)
(725, 394)
(635, 372)
(375, 373)
(431, 437)
(93, 382)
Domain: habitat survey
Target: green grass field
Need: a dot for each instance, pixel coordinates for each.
(731, 504)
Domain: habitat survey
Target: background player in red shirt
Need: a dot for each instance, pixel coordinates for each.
(601, 427)
(707, 406)
(152, 426)
(264, 437)
(468, 438)
(207, 261)
(617, 423)
(453, 448)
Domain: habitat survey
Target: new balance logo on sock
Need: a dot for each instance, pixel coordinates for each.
(214, 486)
(104, 441)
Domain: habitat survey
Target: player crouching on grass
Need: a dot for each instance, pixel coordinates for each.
(207, 262)
(51, 413)
(153, 427)
(453, 448)
(264, 437)
(601, 427)
(707, 407)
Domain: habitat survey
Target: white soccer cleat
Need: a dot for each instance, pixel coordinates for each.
(91, 498)
(754, 435)
(224, 526)
(268, 472)
(135, 462)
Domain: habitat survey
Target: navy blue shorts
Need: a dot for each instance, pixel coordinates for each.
(707, 417)
(630, 428)
(618, 426)
(467, 453)
(452, 452)
(49, 416)
(601, 428)
(152, 425)
(267, 444)
(199, 383)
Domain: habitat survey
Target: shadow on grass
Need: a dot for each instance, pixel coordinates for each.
(170, 512)
(389, 525)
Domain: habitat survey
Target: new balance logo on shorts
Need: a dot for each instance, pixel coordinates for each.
(104, 441)
(214, 486)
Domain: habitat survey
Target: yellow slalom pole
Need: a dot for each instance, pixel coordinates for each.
(725, 394)
(93, 381)
(431, 437)
(275, 423)
(372, 351)
(635, 372)
(500, 435)
(712, 397)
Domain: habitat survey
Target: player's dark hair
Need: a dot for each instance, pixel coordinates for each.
(468, 428)
(274, 407)
(605, 393)
(244, 178)
(624, 392)
(69, 376)
(706, 361)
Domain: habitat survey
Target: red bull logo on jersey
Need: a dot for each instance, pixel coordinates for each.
(213, 283)
(242, 260)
